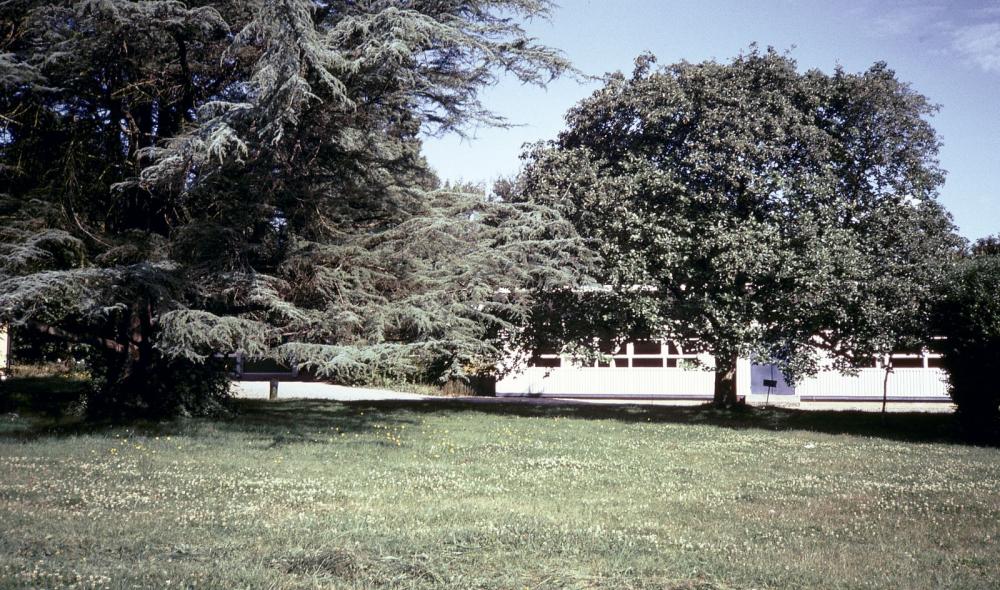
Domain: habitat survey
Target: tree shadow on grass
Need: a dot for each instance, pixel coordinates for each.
(44, 401)
(47, 407)
(307, 421)
(917, 427)
(49, 396)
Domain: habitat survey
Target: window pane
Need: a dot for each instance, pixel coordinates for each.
(657, 363)
(606, 347)
(646, 347)
(548, 362)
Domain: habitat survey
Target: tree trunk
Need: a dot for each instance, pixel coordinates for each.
(885, 384)
(140, 350)
(126, 385)
(725, 380)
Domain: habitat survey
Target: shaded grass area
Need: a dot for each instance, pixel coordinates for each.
(451, 494)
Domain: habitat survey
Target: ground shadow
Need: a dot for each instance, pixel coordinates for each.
(920, 427)
(44, 403)
(40, 407)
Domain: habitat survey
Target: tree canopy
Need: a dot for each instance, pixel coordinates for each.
(750, 209)
(179, 180)
(968, 320)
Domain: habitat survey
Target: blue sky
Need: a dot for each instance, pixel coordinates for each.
(948, 51)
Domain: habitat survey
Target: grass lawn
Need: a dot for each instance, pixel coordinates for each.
(317, 494)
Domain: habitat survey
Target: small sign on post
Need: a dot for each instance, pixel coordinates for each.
(272, 393)
(769, 384)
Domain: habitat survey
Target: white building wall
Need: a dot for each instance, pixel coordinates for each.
(4, 349)
(908, 384)
(630, 382)
(598, 382)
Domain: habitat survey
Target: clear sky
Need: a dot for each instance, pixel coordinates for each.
(947, 50)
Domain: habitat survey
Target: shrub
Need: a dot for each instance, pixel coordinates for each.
(969, 318)
(169, 387)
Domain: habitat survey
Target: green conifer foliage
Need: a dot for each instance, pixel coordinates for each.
(181, 180)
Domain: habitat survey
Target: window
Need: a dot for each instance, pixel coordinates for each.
(908, 362)
(545, 361)
(608, 347)
(646, 347)
(648, 363)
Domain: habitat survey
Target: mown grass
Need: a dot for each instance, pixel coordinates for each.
(456, 495)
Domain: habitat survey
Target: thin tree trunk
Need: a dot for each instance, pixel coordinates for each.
(885, 385)
(140, 349)
(725, 380)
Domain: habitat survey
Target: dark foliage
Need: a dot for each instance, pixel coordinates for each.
(183, 180)
(968, 318)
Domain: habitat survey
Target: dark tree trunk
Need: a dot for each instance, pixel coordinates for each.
(140, 351)
(725, 380)
(127, 386)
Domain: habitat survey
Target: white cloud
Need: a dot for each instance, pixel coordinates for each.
(980, 44)
(988, 12)
(904, 18)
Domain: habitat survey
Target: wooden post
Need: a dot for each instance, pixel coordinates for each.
(273, 390)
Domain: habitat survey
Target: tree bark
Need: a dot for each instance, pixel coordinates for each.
(140, 349)
(725, 380)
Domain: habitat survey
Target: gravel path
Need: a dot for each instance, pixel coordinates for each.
(310, 390)
(326, 391)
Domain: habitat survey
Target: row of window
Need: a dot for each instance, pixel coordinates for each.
(911, 361)
(639, 354)
(553, 361)
(668, 355)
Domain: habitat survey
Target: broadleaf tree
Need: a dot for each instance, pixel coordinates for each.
(749, 209)
(181, 181)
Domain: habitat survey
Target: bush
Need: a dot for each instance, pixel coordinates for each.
(969, 318)
(29, 347)
(168, 387)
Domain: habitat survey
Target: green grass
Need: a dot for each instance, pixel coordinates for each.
(453, 495)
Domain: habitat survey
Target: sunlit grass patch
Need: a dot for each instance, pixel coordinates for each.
(312, 494)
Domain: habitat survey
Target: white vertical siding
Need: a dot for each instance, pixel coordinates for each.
(903, 383)
(608, 382)
(916, 384)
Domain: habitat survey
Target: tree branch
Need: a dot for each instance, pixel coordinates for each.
(71, 337)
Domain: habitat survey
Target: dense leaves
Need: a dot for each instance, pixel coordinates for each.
(751, 209)
(179, 181)
(968, 318)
